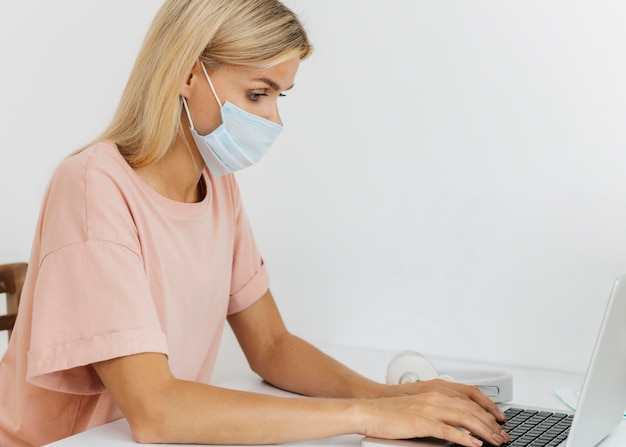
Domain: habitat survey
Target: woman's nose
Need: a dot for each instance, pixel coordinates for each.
(274, 116)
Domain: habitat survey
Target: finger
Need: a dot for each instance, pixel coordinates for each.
(484, 401)
(429, 424)
(452, 434)
(474, 393)
(488, 430)
(469, 415)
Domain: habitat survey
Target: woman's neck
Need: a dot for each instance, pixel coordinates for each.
(178, 174)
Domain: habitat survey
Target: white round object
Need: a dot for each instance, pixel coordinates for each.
(409, 366)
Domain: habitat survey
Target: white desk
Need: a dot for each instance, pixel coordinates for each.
(531, 387)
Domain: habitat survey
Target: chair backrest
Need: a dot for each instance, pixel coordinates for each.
(11, 283)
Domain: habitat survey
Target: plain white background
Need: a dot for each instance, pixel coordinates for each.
(450, 178)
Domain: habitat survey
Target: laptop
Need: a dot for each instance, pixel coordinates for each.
(602, 397)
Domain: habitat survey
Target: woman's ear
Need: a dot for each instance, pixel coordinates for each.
(189, 80)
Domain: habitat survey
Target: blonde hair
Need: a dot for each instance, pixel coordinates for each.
(250, 33)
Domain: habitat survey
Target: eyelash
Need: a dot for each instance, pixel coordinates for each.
(255, 96)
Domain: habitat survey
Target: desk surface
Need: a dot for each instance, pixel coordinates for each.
(532, 387)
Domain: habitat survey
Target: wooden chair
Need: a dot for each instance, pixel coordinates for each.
(11, 283)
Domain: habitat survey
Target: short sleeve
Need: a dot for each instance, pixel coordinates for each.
(250, 292)
(91, 303)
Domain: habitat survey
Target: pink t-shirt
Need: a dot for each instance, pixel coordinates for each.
(117, 269)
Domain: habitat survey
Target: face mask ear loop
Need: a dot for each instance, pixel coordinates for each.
(184, 100)
(211, 84)
(187, 110)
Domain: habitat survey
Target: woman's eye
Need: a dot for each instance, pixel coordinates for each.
(255, 96)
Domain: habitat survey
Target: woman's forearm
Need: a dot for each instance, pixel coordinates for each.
(295, 365)
(196, 413)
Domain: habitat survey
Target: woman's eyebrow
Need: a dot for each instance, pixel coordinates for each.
(273, 84)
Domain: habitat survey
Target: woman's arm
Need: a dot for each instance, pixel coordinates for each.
(290, 363)
(163, 409)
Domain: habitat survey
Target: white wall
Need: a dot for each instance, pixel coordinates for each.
(450, 178)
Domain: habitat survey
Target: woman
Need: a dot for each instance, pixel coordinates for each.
(143, 251)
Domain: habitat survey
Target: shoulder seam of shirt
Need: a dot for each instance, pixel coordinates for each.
(56, 249)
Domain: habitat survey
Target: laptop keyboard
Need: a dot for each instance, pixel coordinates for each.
(534, 428)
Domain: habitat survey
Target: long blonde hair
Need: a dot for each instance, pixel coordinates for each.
(251, 33)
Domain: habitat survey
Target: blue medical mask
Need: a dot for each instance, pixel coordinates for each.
(240, 141)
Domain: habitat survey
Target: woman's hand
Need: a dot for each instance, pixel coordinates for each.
(436, 408)
(449, 388)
